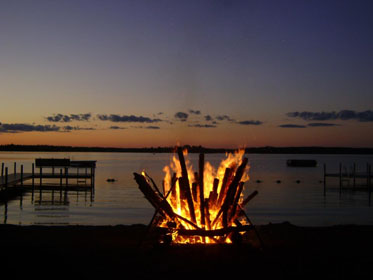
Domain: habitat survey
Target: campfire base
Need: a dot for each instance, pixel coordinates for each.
(163, 234)
(172, 227)
(206, 233)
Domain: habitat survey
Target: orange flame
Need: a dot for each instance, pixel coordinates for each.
(211, 195)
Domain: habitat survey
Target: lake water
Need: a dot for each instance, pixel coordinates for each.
(121, 202)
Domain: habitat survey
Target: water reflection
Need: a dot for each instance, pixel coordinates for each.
(51, 206)
(121, 202)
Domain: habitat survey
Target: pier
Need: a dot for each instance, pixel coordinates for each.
(351, 179)
(48, 174)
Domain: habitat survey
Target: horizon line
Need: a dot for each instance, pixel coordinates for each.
(190, 148)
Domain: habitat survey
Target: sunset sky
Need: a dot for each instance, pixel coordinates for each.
(213, 73)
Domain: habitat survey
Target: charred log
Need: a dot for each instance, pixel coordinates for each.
(201, 166)
(185, 186)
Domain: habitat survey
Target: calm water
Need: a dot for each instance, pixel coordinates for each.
(122, 203)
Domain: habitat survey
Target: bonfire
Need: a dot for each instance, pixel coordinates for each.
(200, 207)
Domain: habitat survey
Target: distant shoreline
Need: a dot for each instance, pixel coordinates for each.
(191, 149)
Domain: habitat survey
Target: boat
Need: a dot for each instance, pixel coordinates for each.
(301, 163)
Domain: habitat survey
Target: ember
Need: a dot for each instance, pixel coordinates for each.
(200, 207)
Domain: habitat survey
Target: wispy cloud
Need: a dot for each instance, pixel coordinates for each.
(116, 127)
(195, 112)
(292, 126)
(181, 116)
(224, 118)
(308, 125)
(202, 125)
(250, 122)
(22, 127)
(364, 116)
(208, 118)
(71, 128)
(125, 118)
(322, 124)
(146, 127)
(69, 118)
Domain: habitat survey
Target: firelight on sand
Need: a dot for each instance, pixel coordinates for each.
(204, 206)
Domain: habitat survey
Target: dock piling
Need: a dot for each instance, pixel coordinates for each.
(60, 177)
(41, 176)
(92, 178)
(21, 175)
(340, 178)
(368, 174)
(6, 177)
(324, 179)
(33, 176)
(369, 183)
(66, 175)
(41, 182)
(2, 169)
(60, 182)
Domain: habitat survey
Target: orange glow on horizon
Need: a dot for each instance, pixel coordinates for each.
(233, 137)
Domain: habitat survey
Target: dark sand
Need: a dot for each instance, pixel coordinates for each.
(339, 252)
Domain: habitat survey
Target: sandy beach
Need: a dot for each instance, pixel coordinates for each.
(336, 252)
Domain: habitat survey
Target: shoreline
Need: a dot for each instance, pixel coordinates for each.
(289, 251)
(191, 149)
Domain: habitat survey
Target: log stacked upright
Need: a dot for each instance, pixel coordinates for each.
(205, 217)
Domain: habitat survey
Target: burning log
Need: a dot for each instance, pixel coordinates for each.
(224, 185)
(164, 187)
(195, 188)
(184, 210)
(230, 194)
(146, 189)
(154, 198)
(215, 232)
(184, 185)
(247, 199)
(214, 194)
(173, 184)
(236, 199)
(153, 183)
(182, 194)
(195, 191)
(232, 191)
(241, 206)
(160, 203)
(174, 180)
(207, 214)
(201, 167)
(187, 221)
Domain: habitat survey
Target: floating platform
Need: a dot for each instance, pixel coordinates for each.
(301, 163)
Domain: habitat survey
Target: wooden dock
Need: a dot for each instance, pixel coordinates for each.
(48, 174)
(349, 180)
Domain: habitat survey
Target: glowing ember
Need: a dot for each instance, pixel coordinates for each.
(200, 207)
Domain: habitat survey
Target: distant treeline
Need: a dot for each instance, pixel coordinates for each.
(191, 149)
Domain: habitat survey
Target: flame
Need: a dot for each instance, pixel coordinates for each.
(210, 174)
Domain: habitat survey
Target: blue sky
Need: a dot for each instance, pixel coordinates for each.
(253, 61)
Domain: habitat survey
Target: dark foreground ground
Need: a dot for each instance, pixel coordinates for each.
(340, 252)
